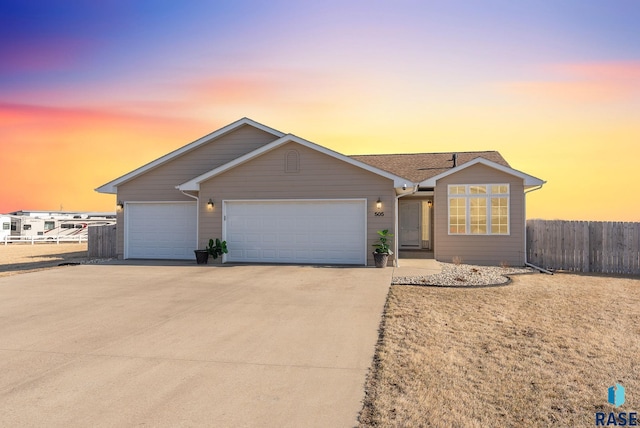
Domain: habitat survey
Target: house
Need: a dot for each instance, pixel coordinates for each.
(278, 198)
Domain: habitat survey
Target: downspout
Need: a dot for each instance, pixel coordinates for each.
(197, 213)
(396, 239)
(526, 262)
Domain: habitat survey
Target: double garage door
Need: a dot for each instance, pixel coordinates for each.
(282, 231)
(295, 231)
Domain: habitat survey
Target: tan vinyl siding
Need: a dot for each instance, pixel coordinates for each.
(319, 177)
(481, 249)
(159, 184)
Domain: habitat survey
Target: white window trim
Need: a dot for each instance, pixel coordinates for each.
(467, 196)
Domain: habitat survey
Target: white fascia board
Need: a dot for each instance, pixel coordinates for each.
(529, 180)
(194, 184)
(112, 185)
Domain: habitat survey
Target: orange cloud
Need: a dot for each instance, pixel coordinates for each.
(53, 156)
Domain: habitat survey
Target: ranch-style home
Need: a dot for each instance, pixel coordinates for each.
(278, 198)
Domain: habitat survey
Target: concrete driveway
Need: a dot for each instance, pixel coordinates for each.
(188, 345)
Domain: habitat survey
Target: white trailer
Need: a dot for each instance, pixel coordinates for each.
(51, 228)
(5, 226)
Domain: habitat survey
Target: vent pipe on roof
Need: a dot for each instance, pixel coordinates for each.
(454, 158)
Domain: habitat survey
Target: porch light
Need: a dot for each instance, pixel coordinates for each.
(120, 206)
(429, 203)
(378, 203)
(210, 204)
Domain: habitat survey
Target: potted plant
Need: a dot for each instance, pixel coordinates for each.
(214, 249)
(201, 256)
(382, 250)
(217, 248)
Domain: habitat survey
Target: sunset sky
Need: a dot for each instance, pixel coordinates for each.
(91, 90)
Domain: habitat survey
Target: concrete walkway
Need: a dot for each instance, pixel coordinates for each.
(417, 267)
(186, 345)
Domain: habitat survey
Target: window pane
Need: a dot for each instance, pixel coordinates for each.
(500, 216)
(478, 215)
(478, 190)
(500, 189)
(457, 215)
(457, 190)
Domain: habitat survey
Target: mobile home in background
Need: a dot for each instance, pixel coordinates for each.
(5, 226)
(51, 225)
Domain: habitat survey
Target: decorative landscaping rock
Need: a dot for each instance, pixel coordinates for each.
(462, 275)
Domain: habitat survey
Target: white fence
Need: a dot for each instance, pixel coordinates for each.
(42, 239)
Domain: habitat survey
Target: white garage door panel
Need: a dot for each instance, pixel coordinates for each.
(332, 232)
(160, 230)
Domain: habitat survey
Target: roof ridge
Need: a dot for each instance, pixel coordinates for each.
(429, 153)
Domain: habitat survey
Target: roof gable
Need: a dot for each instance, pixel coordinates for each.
(112, 185)
(529, 180)
(194, 184)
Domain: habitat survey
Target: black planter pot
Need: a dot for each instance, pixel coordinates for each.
(202, 256)
(380, 259)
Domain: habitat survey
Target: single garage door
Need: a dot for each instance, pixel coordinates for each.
(160, 230)
(295, 231)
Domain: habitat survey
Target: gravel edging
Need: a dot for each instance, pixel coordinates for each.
(97, 261)
(464, 276)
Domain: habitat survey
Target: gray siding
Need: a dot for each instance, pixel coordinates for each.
(481, 249)
(319, 177)
(159, 183)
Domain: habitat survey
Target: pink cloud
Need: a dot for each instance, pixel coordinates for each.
(584, 82)
(235, 89)
(625, 71)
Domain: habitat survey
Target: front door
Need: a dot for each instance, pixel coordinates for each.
(410, 236)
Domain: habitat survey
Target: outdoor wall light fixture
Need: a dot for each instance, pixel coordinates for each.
(120, 205)
(429, 203)
(378, 204)
(210, 204)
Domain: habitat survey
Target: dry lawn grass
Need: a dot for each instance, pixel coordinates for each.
(19, 258)
(539, 352)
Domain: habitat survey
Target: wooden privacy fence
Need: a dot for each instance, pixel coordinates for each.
(584, 246)
(102, 241)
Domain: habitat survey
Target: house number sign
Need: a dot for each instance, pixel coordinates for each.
(379, 213)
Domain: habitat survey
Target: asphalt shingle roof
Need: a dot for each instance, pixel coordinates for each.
(417, 167)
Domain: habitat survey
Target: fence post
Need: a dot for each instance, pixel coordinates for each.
(585, 246)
